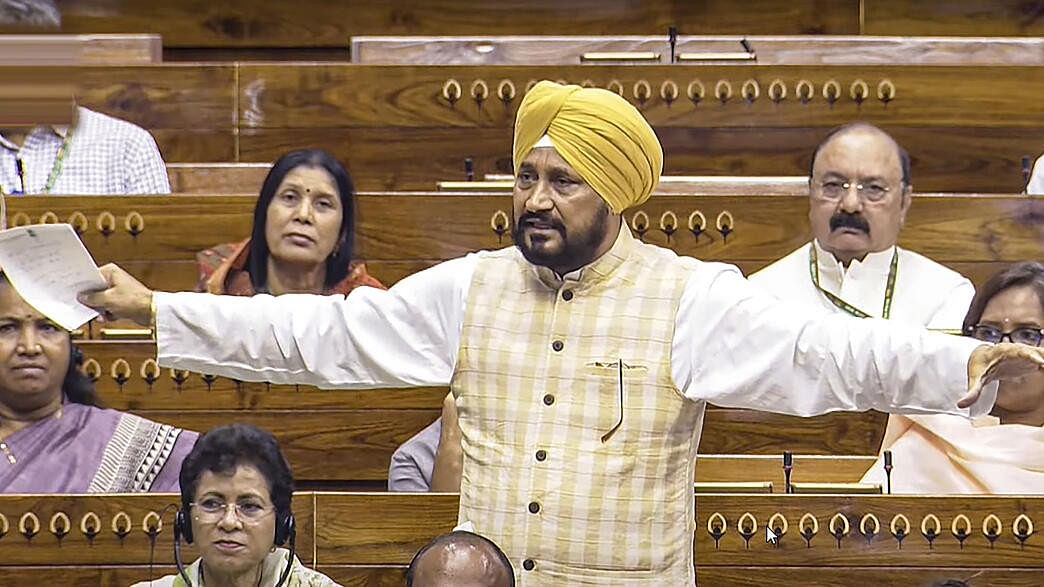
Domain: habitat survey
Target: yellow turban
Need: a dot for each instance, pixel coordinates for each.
(605, 139)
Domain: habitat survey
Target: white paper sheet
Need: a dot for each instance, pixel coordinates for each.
(48, 266)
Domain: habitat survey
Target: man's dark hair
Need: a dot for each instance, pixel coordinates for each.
(224, 448)
(460, 536)
(904, 157)
(1028, 273)
(337, 263)
(950, 583)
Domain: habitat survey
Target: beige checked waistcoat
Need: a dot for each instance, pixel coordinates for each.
(537, 384)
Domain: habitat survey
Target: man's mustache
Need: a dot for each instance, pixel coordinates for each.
(539, 219)
(846, 220)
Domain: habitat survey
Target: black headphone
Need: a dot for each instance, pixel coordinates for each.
(285, 532)
(75, 354)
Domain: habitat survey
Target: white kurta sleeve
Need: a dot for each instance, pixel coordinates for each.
(956, 301)
(1036, 183)
(405, 336)
(737, 347)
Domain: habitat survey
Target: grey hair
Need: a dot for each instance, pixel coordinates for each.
(36, 13)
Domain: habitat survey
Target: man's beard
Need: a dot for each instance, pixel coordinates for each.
(574, 253)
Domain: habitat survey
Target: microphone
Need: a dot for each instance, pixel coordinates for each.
(788, 467)
(469, 169)
(888, 470)
(20, 168)
(672, 36)
(177, 557)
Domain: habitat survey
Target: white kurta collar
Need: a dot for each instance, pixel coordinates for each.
(874, 265)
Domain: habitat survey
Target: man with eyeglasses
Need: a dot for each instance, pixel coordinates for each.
(581, 360)
(860, 192)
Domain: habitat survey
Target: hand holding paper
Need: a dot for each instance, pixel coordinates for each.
(49, 266)
(121, 296)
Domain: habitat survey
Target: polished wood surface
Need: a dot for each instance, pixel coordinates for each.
(313, 23)
(134, 545)
(721, 49)
(368, 538)
(246, 178)
(395, 130)
(91, 49)
(954, 17)
(390, 227)
(217, 178)
(330, 95)
(361, 529)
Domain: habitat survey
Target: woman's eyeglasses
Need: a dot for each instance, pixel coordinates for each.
(1027, 335)
(212, 511)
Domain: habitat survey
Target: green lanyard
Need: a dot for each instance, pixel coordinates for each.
(56, 169)
(886, 310)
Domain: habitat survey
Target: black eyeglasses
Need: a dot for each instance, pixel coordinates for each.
(619, 422)
(1027, 335)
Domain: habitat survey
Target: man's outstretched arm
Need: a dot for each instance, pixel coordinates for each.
(405, 336)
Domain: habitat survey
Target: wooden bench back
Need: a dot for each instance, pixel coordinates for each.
(369, 538)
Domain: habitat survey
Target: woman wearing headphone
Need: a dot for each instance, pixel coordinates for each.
(236, 489)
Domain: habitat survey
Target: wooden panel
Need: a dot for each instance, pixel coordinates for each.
(324, 96)
(176, 96)
(393, 576)
(954, 17)
(180, 145)
(963, 228)
(807, 468)
(88, 576)
(314, 23)
(88, 49)
(122, 49)
(748, 576)
(769, 50)
(217, 178)
(375, 528)
(883, 549)
(732, 431)
(106, 548)
(372, 529)
(188, 108)
(945, 158)
(391, 158)
(327, 445)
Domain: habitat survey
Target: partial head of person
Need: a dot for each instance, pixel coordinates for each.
(39, 363)
(860, 191)
(460, 559)
(1009, 307)
(236, 489)
(304, 223)
(37, 14)
(582, 156)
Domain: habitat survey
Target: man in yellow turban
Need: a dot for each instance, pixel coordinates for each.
(581, 360)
